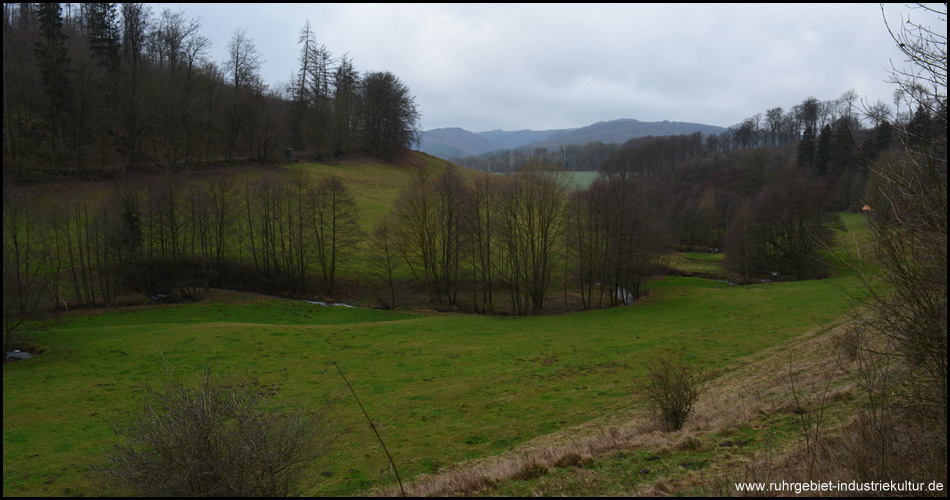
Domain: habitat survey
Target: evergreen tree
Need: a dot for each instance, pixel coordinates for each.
(346, 101)
(879, 142)
(806, 148)
(103, 25)
(823, 150)
(842, 147)
(920, 128)
(53, 60)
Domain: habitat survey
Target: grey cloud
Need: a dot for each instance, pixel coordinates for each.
(489, 66)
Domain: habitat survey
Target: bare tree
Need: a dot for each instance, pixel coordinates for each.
(586, 242)
(211, 206)
(483, 235)
(242, 68)
(336, 227)
(244, 61)
(907, 216)
(531, 216)
(414, 215)
(925, 49)
(134, 113)
(773, 118)
(743, 255)
(346, 101)
(384, 262)
(430, 229)
(179, 49)
(23, 278)
(788, 221)
(312, 95)
(453, 199)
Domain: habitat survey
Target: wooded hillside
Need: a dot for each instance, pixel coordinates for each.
(102, 87)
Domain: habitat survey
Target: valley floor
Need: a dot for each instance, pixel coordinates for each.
(449, 392)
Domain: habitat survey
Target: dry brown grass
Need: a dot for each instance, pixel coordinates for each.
(739, 394)
(879, 437)
(536, 459)
(861, 451)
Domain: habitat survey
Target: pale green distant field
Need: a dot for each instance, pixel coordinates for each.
(581, 180)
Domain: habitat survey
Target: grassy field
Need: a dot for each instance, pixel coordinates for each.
(444, 388)
(375, 185)
(580, 180)
(576, 181)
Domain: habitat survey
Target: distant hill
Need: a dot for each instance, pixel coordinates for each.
(621, 131)
(518, 138)
(456, 142)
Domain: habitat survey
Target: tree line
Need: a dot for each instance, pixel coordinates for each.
(490, 243)
(765, 190)
(572, 157)
(104, 86)
(835, 120)
(495, 244)
(172, 236)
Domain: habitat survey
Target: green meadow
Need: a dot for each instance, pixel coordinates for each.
(443, 388)
(580, 180)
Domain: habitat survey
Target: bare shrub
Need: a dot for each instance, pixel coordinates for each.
(809, 405)
(532, 470)
(849, 341)
(220, 435)
(691, 443)
(572, 459)
(672, 388)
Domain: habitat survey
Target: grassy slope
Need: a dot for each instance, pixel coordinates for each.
(745, 428)
(446, 388)
(375, 187)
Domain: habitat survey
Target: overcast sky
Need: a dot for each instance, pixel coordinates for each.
(538, 66)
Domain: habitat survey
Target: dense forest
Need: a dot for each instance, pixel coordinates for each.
(103, 87)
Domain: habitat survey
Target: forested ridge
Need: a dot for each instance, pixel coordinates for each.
(101, 88)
